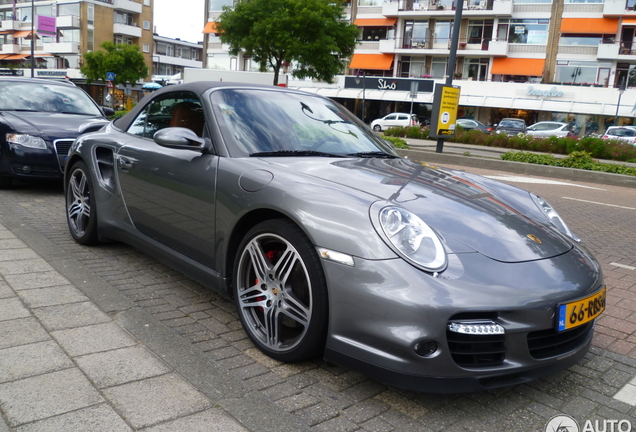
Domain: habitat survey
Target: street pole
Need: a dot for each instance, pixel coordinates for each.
(452, 58)
(32, 38)
(621, 90)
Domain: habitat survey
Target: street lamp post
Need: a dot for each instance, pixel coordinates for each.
(364, 88)
(621, 90)
(32, 38)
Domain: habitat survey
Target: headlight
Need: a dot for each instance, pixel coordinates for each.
(26, 141)
(412, 239)
(553, 216)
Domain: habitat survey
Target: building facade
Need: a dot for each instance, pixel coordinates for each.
(171, 56)
(65, 30)
(566, 60)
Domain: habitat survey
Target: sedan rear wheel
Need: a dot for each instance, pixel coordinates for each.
(280, 291)
(377, 128)
(80, 206)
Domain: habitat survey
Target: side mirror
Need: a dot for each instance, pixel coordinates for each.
(108, 111)
(181, 138)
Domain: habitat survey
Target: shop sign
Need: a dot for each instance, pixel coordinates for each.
(397, 84)
(553, 92)
(11, 72)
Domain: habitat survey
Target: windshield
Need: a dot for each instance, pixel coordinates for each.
(43, 97)
(268, 122)
(622, 132)
(517, 124)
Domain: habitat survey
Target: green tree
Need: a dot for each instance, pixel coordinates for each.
(126, 61)
(309, 35)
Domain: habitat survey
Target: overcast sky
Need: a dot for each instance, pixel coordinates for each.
(183, 19)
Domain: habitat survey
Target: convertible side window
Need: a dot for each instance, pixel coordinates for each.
(178, 109)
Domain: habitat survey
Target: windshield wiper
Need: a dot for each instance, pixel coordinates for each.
(373, 154)
(296, 153)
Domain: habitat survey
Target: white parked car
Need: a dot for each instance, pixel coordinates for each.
(622, 133)
(393, 120)
(550, 128)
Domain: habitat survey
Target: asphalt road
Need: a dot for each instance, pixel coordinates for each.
(199, 334)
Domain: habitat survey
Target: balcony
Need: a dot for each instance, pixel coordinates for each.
(6, 25)
(127, 6)
(473, 47)
(442, 7)
(10, 49)
(67, 22)
(61, 48)
(127, 30)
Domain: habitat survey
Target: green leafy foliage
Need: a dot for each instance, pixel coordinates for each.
(308, 35)
(126, 61)
(398, 143)
(576, 159)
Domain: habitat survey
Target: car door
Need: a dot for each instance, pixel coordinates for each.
(169, 193)
(389, 121)
(403, 120)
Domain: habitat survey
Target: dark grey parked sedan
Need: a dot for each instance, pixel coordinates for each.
(39, 120)
(330, 244)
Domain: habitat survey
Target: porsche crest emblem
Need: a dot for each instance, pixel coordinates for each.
(534, 238)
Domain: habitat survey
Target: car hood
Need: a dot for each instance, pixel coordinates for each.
(47, 124)
(481, 214)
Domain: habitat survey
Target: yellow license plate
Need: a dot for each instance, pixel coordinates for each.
(580, 311)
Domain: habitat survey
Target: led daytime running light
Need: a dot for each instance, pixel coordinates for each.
(476, 328)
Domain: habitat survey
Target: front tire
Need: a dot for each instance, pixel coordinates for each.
(80, 205)
(280, 291)
(377, 128)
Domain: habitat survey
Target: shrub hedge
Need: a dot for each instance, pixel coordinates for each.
(596, 147)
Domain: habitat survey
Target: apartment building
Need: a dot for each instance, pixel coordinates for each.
(565, 60)
(64, 30)
(171, 56)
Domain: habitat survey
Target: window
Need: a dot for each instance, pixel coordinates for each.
(146, 2)
(438, 67)
(217, 5)
(146, 48)
(442, 32)
(479, 30)
(528, 31)
(573, 71)
(166, 112)
(581, 39)
(416, 34)
(414, 67)
(146, 25)
(370, 2)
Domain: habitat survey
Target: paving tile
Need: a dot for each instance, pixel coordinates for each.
(21, 332)
(33, 359)
(47, 395)
(52, 296)
(70, 315)
(35, 280)
(93, 338)
(12, 308)
(17, 254)
(155, 400)
(93, 419)
(110, 368)
(21, 266)
(5, 290)
(212, 420)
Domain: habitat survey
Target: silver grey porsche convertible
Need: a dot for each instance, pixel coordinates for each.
(332, 245)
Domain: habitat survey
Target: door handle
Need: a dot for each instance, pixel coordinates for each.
(124, 163)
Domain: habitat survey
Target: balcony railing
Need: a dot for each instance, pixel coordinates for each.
(431, 5)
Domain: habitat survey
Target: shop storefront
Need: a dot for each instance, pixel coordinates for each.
(589, 109)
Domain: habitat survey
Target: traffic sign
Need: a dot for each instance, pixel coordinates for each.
(109, 84)
(110, 76)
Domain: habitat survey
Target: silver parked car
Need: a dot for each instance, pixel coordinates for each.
(550, 128)
(330, 244)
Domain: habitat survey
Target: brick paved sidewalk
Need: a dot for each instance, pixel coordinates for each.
(66, 365)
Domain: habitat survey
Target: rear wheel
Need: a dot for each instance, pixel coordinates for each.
(280, 291)
(80, 205)
(377, 128)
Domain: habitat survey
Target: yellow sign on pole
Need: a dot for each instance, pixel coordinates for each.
(445, 106)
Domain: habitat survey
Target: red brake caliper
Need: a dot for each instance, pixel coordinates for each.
(270, 257)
